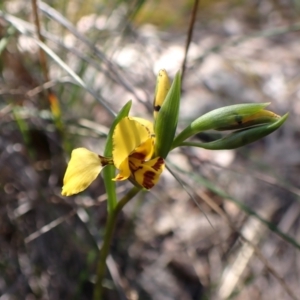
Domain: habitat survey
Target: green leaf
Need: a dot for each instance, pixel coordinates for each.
(227, 118)
(241, 137)
(167, 119)
(109, 171)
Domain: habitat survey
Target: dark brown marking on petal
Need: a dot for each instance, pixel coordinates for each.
(156, 107)
(105, 161)
(148, 130)
(158, 164)
(239, 119)
(148, 179)
(138, 155)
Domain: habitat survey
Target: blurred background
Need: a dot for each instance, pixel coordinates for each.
(240, 240)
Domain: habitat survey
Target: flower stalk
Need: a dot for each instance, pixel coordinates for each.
(109, 230)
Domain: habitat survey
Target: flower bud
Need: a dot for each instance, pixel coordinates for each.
(167, 118)
(241, 137)
(161, 91)
(228, 118)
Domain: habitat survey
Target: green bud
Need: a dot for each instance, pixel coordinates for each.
(167, 118)
(246, 121)
(241, 137)
(228, 118)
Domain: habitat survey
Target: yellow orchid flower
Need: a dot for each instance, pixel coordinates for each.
(138, 148)
(133, 149)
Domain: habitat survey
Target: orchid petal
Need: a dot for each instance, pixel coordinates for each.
(128, 135)
(124, 171)
(148, 173)
(144, 122)
(82, 170)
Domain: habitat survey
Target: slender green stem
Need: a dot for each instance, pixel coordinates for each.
(109, 230)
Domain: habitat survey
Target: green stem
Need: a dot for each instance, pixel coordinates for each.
(109, 230)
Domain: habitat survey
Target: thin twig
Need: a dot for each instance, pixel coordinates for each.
(52, 102)
(189, 37)
(42, 55)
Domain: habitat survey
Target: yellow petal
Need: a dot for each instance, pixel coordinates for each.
(162, 87)
(124, 171)
(145, 150)
(147, 174)
(144, 122)
(82, 170)
(128, 135)
(131, 163)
